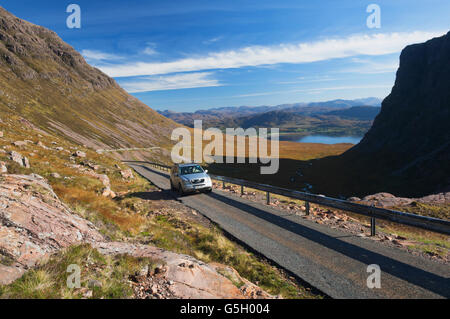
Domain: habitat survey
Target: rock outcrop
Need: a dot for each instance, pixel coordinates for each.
(187, 277)
(388, 200)
(127, 174)
(20, 159)
(34, 223)
(79, 154)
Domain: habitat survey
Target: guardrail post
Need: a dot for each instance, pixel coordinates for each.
(372, 226)
(242, 190)
(267, 198)
(307, 208)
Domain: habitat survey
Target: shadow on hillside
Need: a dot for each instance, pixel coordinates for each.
(326, 175)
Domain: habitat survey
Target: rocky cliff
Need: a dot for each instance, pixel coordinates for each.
(410, 138)
(407, 150)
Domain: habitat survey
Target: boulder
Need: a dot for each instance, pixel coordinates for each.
(187, 277)
(19, 159)
(92, 166)
(127, 174)
(387, 200)
(40, 144)
(19, 143)
(107, 192)
(79, 154)
(104, 179)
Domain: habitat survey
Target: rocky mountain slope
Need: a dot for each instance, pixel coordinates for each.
(407, 150)
(47, 82)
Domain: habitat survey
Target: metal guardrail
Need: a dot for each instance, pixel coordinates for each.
(423, 222)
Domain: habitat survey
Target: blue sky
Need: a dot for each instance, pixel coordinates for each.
(188, 55)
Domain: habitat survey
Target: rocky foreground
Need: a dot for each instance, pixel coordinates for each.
(35, 224)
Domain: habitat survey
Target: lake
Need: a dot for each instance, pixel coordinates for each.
(324, 139)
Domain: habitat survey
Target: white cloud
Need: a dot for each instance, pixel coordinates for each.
(98, 56)
(376, 44)
(171, 82)
(319, 90)
(349, 87)
(309, 80)
(150, 49)
(212, 40)
(370, 67)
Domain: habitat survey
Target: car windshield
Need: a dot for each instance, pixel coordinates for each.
(194, 169)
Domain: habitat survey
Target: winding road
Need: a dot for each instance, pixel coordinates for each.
(328, 259)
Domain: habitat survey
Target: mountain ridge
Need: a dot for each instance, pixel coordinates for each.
(407, 149)
(47, 82)
(338, 117)
(339, 103)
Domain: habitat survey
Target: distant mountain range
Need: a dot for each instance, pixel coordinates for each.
(308, 108)
(337, 117)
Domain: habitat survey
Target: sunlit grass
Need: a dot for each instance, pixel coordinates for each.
(49, 280)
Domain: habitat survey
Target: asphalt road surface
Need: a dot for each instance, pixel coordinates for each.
(330, 260)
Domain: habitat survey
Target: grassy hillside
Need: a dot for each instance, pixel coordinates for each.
(47, 82)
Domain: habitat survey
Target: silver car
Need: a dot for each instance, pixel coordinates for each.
(189, 178)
